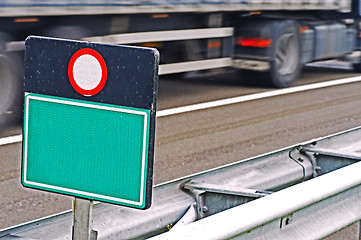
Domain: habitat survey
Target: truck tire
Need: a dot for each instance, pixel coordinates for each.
(285, 65)
(10, 86)
(357, 67)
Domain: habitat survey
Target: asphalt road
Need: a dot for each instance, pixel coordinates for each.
(196, 141)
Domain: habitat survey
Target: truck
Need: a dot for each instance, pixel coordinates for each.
(268, 40)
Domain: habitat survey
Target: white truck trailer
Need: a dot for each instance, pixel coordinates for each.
(270, 40)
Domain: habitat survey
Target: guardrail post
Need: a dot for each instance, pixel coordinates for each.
(82, 220)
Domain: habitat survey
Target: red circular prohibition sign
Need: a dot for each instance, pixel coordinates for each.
(103, 79)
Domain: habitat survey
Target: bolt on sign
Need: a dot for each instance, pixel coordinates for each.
(89, 120)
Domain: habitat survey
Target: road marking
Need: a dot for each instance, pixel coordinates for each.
(228, 101)
(12, 139)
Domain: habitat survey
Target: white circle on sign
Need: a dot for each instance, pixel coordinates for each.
(87, 72)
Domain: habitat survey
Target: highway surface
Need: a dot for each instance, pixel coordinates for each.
(198, 140)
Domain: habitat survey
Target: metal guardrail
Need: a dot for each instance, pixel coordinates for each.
(255, 184)
(310, 210)
(313, 209)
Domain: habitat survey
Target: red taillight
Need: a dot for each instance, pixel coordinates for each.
(254, 42)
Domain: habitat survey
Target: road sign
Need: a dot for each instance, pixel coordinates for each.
(89, 120)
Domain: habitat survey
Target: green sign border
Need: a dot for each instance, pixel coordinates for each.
(77, 193)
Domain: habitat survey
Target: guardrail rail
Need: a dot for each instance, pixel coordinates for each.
(306, 191)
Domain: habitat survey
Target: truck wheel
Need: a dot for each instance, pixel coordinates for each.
(10, 87)
(285, 65)
(357, 67)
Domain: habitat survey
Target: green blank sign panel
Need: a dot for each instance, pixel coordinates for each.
(85, 149)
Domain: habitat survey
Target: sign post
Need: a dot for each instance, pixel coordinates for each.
(89, 120)
(82, 220)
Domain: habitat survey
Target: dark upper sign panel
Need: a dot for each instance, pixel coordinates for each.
(90, 71)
